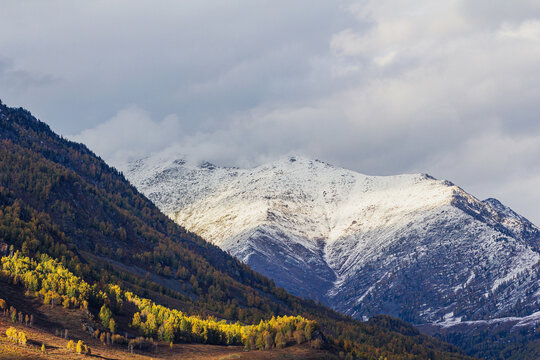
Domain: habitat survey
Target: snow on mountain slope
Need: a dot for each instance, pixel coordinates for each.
(407, 245)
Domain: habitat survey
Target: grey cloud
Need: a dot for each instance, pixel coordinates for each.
(18, 80)
(381, 87)
(163, 56)
(130, 134)
(493, 12)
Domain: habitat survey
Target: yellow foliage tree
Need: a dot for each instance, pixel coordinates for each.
(112, 326)
(56, 283)
(11, 333)
(17, 337)
(79, 348)
(22, 338)
(71, 345)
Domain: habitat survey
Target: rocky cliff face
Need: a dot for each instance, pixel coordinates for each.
(408, 245)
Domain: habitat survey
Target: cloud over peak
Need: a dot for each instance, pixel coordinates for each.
(382, 87)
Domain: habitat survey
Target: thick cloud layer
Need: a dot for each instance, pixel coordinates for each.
(451, 88)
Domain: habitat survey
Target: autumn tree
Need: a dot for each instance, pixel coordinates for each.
(112, 325)
(70, 345)
(79, 348)
(280, 340)
(105, 315)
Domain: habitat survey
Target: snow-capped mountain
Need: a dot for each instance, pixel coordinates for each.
(409, 245)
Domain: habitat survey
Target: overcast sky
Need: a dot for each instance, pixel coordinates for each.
(451, 88)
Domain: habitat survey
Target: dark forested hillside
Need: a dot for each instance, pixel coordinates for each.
(65, 211)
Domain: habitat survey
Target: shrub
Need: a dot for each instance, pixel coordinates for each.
(118, 339)
(141, 343)
(317, 344)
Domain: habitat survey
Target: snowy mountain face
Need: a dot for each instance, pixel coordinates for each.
(409, 246)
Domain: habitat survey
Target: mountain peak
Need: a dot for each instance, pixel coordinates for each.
(293, 160)
(494, 203)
